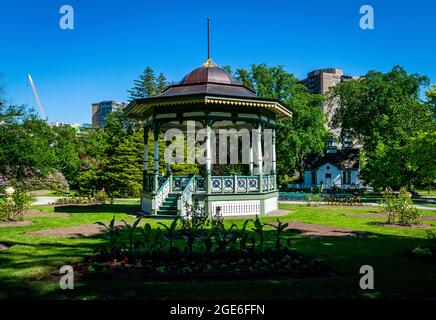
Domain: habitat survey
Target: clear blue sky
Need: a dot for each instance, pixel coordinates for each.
(114, 40)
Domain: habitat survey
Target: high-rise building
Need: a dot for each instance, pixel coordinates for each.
(321, 81)
(100, 110)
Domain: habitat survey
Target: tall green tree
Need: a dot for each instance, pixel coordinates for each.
(25, 150)
(147, 84)
(385, 113)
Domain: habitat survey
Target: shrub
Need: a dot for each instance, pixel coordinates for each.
(400, 208)
(313, 200)
(14, 205)
(101, 197)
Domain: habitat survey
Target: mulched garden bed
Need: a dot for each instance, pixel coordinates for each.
(259, 265)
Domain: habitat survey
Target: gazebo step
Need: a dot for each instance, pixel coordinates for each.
(166, 206)
(167, 212)
(169, 205)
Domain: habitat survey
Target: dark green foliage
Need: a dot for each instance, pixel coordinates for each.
(130, 229)
(147, 85)
(280, 227)
(385, 113)
(113, 236)
(171, 232)
(258, 229)
(25, 145)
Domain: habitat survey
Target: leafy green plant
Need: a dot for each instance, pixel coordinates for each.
(258, 229)
(400, 208)
(130, 230)
(101, 197)
(243, 235)
(224, 237)
(207, 238)
(170, 232)
(280, 227)
(422, 252)
(151, 242)
(113, 236)
(192, 223)
(14, 205)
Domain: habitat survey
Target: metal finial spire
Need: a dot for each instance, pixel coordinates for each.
(208, 63)
(208, 38)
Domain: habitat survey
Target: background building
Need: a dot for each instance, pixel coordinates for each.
(321, 81)
(339, 166)
(101, 109)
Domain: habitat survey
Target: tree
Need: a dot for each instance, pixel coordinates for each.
(161, 83)
(123, 174)
(25, 145)
(385, 113)
(303, 134)
(147, 85)
(66, 148)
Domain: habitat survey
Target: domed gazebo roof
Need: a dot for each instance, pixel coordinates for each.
(208, 72)
(209, 79)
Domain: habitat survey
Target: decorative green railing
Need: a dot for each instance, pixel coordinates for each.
(219, 184)
(234, 184)
(163, 191)
(186, 196)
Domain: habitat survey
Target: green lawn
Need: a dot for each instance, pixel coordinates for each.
(397, 275)
(427, 193)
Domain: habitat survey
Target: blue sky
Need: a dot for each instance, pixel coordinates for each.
(114, 40)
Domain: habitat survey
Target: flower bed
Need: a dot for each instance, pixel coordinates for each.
(268, 264)
(205, 248)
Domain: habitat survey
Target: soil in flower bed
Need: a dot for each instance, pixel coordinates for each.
(266, 265)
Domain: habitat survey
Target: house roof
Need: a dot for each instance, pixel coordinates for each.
(343, 159)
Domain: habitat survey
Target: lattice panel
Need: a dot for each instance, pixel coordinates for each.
(236, 208)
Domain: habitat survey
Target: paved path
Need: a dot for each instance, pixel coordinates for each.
(39, 201)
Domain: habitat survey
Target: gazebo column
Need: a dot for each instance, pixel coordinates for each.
(208, 157)
(145, 158)
(168, 164)
(259, 159)
(274, 165)
(251, 164)
(156, 158)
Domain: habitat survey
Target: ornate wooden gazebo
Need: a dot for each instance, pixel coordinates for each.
(209, 97)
